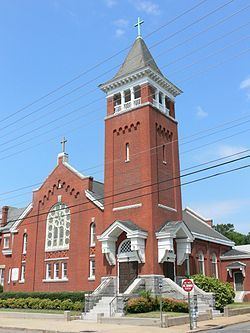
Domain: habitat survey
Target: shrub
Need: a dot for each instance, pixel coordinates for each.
(73, 296)
(174, 305)
(146, 304)
(38, 303)
(1, 288)
(138, 305)
(223, 291)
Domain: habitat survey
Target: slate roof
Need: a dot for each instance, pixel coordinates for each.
(13, 215)
(236, 264)
(131, 225)
(196, 226)
(235, 253)
(138, 57)
(170, 226)
(98, 191)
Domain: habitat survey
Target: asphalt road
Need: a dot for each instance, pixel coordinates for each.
(239, 328)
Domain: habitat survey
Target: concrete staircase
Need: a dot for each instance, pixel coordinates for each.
(102, 306)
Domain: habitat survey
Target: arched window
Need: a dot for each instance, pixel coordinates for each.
(125, 247)
(58, 228)
(25, 241)
(92, 234)
(127, 152)
(201, 265)
(214, 266)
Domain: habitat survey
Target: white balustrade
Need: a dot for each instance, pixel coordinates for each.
(137, 101)
(118, 108)
(127, 105)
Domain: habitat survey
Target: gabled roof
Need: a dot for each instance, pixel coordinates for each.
(13, 215)
(236, 264)
(201, 230)
(138, 57)
(235, 253)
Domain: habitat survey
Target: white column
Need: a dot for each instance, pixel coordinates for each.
(132, 93)
(164, 103)
(122, 99)
(157, 98)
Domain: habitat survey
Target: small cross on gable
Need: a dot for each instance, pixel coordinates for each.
(63, 143)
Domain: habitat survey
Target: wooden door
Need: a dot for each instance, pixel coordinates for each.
(128, 271)
(238, 281)
(168, 270)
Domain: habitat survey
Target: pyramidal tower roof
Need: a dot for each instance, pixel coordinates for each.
(138, 57)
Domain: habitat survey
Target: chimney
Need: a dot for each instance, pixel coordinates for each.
(209, 222)
(90, 184)
(4, 216)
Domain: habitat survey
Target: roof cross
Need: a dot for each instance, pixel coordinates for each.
(138, 25)
(63, 142)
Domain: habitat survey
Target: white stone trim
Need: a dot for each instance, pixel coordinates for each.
(94, 200)
(51, 259)
(167, 208)
(127, 207)
(56, 280)
(139, 77)
(20, 218)
(235, 257)
(212, 239)
(79, 174)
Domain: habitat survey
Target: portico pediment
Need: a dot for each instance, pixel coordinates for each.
(109, 237)
(166, 235)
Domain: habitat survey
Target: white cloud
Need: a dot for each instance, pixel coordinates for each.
(221, 209)
(147, 6)
(226, 150)
(119, 32)
(121, 23)
(110, 3)
(245, 85)
(200, 112)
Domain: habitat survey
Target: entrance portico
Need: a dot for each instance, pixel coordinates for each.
(126, 255)
(174, 247)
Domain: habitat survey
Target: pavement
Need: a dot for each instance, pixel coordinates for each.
(61, 326)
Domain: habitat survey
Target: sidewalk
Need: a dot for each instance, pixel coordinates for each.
(58, 326)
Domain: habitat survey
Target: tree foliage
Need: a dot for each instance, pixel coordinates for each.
(229, 231)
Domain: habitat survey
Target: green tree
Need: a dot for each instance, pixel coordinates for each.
(229, 231)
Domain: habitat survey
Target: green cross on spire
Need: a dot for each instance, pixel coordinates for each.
(138, 25)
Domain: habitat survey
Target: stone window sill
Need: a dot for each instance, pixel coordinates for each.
(91, 278)
(56, 280)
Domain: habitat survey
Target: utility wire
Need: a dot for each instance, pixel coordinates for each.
(141, 195)
(159, 42)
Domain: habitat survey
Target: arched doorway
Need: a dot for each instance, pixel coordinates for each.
(128, 265)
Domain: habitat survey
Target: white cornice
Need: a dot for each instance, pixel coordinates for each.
(79, 174)
(20, 218)
(94, 200)
(212, 239)
(235, 257)
(138, 75)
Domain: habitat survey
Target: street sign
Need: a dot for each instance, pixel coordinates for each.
(187, 285)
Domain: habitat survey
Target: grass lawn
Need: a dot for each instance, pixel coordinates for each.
(239, 305)
(155, 314)
(74, 313)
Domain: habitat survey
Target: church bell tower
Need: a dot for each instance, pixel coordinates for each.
(141, 182)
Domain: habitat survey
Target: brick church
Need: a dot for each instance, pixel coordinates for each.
(78, 232)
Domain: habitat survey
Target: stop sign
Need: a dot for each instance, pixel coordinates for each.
(187, 285)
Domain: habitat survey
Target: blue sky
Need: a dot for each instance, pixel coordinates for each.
(46, 43)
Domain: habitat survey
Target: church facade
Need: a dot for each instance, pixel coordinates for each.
(78, 231)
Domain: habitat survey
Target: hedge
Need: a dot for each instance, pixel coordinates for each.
(62, 296)
(1, 288)
(38, 303)
(223, 291)
(146, 304)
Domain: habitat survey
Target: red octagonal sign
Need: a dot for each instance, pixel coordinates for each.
(187, 285)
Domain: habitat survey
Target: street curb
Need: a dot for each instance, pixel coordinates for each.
(32, 330)
(217, 327)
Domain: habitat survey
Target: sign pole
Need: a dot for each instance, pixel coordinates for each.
(189, 310)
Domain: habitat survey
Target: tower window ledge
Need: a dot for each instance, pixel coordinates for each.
(7, 252)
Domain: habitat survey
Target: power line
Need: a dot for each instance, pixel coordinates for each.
(144, 194)
(100, 63)
(159, 42)
(82, 107)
